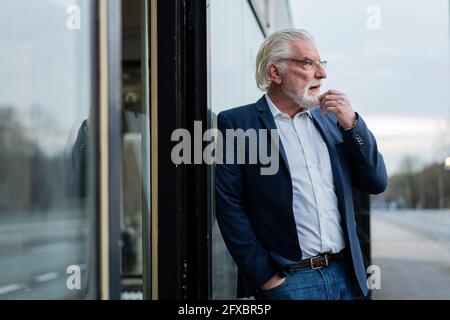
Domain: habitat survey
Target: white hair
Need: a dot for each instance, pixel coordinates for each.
(274, 48)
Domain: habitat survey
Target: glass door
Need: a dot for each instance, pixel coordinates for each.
(136, 225)
(59, 121)
(48, 140)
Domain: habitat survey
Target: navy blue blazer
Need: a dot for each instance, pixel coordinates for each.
(254, 211)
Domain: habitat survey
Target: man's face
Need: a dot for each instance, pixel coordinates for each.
(299, 81)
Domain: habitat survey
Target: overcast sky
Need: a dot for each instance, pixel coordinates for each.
(396, 76)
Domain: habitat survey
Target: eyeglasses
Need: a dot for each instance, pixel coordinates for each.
(308, 64)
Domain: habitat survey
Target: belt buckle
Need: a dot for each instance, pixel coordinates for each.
(311, 261)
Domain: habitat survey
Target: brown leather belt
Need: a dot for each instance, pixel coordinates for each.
(317, 262)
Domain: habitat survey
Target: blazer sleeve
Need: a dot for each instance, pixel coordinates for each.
(368, 168)
(252, 259)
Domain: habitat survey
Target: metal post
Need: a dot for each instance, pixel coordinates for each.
(145, 145)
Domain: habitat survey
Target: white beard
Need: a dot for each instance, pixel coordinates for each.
(302, 98)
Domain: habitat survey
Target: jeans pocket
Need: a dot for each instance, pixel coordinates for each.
(278, 287)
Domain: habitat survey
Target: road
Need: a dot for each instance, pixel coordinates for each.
(412, 249)
(34, 257)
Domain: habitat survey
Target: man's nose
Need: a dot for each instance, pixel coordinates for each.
(320, 73)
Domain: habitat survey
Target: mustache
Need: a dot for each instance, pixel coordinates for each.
(313, 83)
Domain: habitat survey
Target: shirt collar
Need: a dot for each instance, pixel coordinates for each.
(276, 112)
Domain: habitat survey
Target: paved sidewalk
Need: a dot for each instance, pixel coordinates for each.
(413, 266)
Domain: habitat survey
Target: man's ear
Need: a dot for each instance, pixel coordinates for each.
(274, 74)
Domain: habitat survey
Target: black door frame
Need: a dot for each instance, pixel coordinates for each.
(183, 221)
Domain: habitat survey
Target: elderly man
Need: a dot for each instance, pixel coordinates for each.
(293, 234)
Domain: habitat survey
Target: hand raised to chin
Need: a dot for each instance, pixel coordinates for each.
(337, 103)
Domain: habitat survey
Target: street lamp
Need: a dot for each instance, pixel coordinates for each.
(441, 183)
(447, 163)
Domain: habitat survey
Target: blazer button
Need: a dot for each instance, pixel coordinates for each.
(359, 140)
(288, 211)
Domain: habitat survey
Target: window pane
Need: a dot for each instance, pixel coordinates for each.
(233, 47)
(136, 151)
(47, 163)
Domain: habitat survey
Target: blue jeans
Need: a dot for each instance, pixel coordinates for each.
(328, 283)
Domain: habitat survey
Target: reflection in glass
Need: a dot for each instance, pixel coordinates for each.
(234, 46)
(136, 151)
(132, 171)
(47, 163)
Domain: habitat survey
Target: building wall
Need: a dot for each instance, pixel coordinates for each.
(280, 15)
(235, 38)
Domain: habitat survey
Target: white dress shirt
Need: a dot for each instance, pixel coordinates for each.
(314, 204)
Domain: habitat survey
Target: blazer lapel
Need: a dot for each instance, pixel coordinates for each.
(331, 140)
(267, 120)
